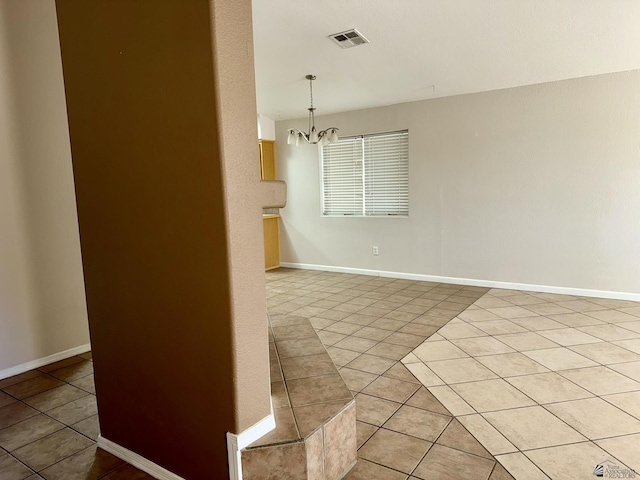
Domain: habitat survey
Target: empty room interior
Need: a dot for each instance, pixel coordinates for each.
(257, 239)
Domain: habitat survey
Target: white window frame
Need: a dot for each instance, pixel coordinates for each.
(363, 213)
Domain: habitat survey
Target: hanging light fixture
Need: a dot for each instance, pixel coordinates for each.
(323, 137)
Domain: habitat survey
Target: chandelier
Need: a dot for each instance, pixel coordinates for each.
(323, 137)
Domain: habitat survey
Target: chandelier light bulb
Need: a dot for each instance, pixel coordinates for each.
(313, 136)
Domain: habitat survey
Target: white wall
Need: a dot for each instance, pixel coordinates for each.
(537, 185)
(266, 128)
(42, 304)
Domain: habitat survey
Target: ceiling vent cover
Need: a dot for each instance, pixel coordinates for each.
(349, 38)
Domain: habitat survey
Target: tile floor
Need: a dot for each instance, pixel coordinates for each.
(368, 324)
(49, 425)
(550, 384)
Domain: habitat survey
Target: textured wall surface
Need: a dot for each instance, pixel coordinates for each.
(161, 107)
(536, 185)
(42, 302)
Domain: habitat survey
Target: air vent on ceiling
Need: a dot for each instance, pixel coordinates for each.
(349, 38)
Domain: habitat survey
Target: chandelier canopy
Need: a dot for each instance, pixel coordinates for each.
(323, 137)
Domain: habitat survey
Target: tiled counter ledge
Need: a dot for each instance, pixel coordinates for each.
(315, 434)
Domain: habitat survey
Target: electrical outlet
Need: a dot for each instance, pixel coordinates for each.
(374, 250)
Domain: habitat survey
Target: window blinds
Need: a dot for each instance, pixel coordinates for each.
(367, 175)
(342, 179)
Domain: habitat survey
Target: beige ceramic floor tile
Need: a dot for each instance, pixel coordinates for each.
(581, 305)
(631, 345)
(568, 336)
(435, 338)
(482, 346)
(633, 325)
(613, 316)
(532, 427)
(458, 437)
(511, 312)
(477, 315)
(521, 467)
(569, 462)
(626, 449)
(526, 341)
(451, 400)
(606, 353)
(552, 297)
(430, 351)
(548, 309)
(523, 299)
(628, 402)
(425, 400)
(374, 410)
(491, 395)
(601, 380)
(575, 320)
(418, 423)
(395, 450)
(364, 431)
(491, 439)
(391, 389)
(456, 321)
(511, 364)
(460, 370)
(504, 293)
(444, 462)
(535, 324)
(365, 470)
(489, 301)
(595, 418)
(424, 374)
(559, 359)
(631, 370)
(548, 388)
(635, 310)
(460, 330)
(613, 303)
(499, 327)
(411, 358)
(610, 332)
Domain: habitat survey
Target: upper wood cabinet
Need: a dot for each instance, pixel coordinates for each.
(267, 160)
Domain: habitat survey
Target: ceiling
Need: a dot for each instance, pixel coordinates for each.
(432, 48)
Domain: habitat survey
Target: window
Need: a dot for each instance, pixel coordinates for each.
(367, 175)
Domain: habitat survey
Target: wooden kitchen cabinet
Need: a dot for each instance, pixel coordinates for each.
(270, 221)
(271, 241)
(267, 160)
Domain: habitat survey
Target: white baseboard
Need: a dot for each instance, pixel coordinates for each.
(235, 443)
(582, 292)
(40, 362)
(138, 461)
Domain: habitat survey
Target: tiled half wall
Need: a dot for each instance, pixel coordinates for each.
(315, 435)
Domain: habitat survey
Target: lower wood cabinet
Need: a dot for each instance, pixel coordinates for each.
(271, 241)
